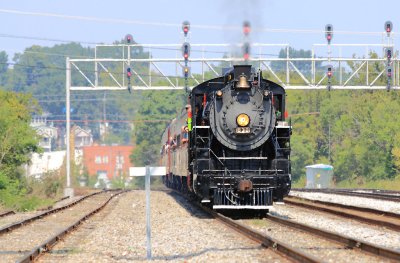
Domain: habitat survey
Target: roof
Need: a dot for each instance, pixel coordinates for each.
(320, 166)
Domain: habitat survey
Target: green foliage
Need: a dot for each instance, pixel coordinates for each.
(17, 139)
(13, 194)
(156, 107)
(360, 126)
(302, 66)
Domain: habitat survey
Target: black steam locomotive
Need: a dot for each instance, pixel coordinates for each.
(231, 145)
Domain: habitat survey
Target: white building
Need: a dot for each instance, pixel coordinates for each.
(45, 162)
(47, 133)
(49, 161)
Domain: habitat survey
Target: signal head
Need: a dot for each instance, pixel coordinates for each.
(185, 27)
(186, 50)
(329, 32)
(246, 50)
(246, 28)
(186, 71)
(128, 72)
(389, 71)
(329, 71)
(389, 53)
(128, 38)
(388, 27)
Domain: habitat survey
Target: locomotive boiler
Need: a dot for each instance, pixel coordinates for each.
(230, 146)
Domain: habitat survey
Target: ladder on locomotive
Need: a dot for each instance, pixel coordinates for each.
(283, 130)
(202, 143)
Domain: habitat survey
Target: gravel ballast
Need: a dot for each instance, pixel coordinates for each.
(180, 232)
(380, 236)
(389, 206)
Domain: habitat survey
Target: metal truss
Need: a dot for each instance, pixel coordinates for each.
(99, 73)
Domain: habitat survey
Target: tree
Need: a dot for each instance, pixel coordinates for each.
(17, 138)
(157, 108)
(303, 66)
(3, 68)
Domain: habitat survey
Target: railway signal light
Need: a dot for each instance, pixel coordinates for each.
(388, 27)
(389, 53)
(128, 75)
(246, 28)
(128, 38)
(329, 33)
(186, 72)
(329, 73)
(389, 71)
(246, 51)
(185, 27)
(186, 51)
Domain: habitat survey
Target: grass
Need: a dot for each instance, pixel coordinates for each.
(258, 222)
(384, 184)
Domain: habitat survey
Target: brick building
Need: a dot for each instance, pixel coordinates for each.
(107, 161)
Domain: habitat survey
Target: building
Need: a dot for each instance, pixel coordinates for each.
(105, 161)
(81, 137)
(42, 163)
(47, 133)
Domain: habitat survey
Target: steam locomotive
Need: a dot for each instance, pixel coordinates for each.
(230, 146)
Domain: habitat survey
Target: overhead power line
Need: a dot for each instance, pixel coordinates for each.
(162, 24)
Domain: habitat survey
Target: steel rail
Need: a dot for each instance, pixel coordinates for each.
(24, 222)
(51, 242)
(363, 214)
(6, 213)
(347, 241)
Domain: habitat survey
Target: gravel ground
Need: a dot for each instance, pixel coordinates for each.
(373, 234)
(324, 249)
(382, 205)
(180, 233)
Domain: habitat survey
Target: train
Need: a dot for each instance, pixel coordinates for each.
(230, 146)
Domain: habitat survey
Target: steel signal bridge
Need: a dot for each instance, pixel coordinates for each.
(165, 65)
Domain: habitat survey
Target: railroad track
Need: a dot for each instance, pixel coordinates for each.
(362, 214)
(26, 221)
(387, 195)
(266, 241)
(321, 242)
(25, 241)
(343, 242)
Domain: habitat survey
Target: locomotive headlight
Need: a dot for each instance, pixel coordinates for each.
(243, 120)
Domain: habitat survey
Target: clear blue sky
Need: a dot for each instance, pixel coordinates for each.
(356, 15)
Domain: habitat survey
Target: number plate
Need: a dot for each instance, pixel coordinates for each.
(243, 130)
